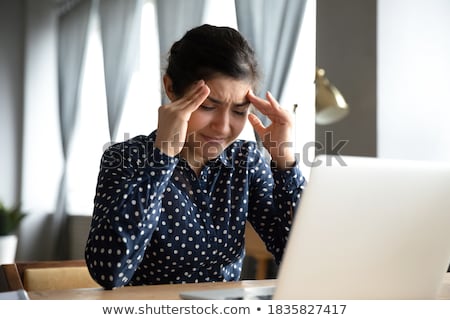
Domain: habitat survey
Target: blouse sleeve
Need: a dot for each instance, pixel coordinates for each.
(127, 205)
(274, 194)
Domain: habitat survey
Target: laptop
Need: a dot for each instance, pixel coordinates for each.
(366, 228)
(20, 294)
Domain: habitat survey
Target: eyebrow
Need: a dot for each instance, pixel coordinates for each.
(239, 104)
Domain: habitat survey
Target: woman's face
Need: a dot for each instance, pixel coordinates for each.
(219, 120)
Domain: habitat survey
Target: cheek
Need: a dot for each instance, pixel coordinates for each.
(238, 124)
(197, 121)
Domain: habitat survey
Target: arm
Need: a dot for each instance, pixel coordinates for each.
(277, 194)
(127, 205)
(273, 199)
(131, 183)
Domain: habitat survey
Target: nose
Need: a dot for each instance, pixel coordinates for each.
(221, 123)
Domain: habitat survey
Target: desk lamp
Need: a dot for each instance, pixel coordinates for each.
(330, 104)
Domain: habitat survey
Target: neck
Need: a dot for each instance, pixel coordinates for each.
(195, 162)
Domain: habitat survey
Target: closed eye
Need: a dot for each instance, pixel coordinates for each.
(240, 113)
(207, 108)
(241, 110)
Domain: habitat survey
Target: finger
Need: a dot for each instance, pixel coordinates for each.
(256, 124)
(195, 89)
(273, 102)
(193, 99)
(200, 96)
(269, 107)
(262, 105)
(274, 111)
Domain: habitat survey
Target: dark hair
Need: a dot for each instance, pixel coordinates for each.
(205, 51)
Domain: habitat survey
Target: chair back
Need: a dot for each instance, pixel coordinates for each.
(255, 248)
(47, 275)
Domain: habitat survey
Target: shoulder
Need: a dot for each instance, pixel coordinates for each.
(128, 151)
(140, 142)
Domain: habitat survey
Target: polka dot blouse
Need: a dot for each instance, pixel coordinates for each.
(155, 221)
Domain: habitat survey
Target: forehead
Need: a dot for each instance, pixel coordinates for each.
(228, 90)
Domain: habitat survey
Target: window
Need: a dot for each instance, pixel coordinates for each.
(91, 130)
(91, 134)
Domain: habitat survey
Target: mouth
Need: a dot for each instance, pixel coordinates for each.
(212, 139)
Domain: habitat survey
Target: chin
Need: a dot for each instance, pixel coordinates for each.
(212, 150)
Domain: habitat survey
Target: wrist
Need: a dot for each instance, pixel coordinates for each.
(283, 162)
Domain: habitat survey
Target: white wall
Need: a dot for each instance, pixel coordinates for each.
(414, 79)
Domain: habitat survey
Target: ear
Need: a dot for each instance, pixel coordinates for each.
(168, 87)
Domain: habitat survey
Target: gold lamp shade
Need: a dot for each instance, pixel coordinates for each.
(330, 104)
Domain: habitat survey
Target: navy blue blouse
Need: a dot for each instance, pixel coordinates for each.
(155, 221)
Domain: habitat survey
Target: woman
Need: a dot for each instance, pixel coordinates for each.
(171, 207)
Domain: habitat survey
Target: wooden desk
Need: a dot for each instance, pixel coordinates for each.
(155, 292)
(166, 292)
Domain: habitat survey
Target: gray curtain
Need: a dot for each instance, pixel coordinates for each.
(175, 17)
(272, 28)
(120, 22)
(72, 33)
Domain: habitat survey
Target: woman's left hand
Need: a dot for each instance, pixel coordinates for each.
(277, 137)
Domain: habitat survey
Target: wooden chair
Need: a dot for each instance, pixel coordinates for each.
(256, 249)
(47, 275)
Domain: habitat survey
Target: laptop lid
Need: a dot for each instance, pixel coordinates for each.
(369, 228)
(366, 228)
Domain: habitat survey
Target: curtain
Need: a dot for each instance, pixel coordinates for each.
(72, 34)
(175, 17)
(120, 22)
(272, 28)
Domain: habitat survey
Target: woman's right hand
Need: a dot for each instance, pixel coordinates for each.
(173, 119)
